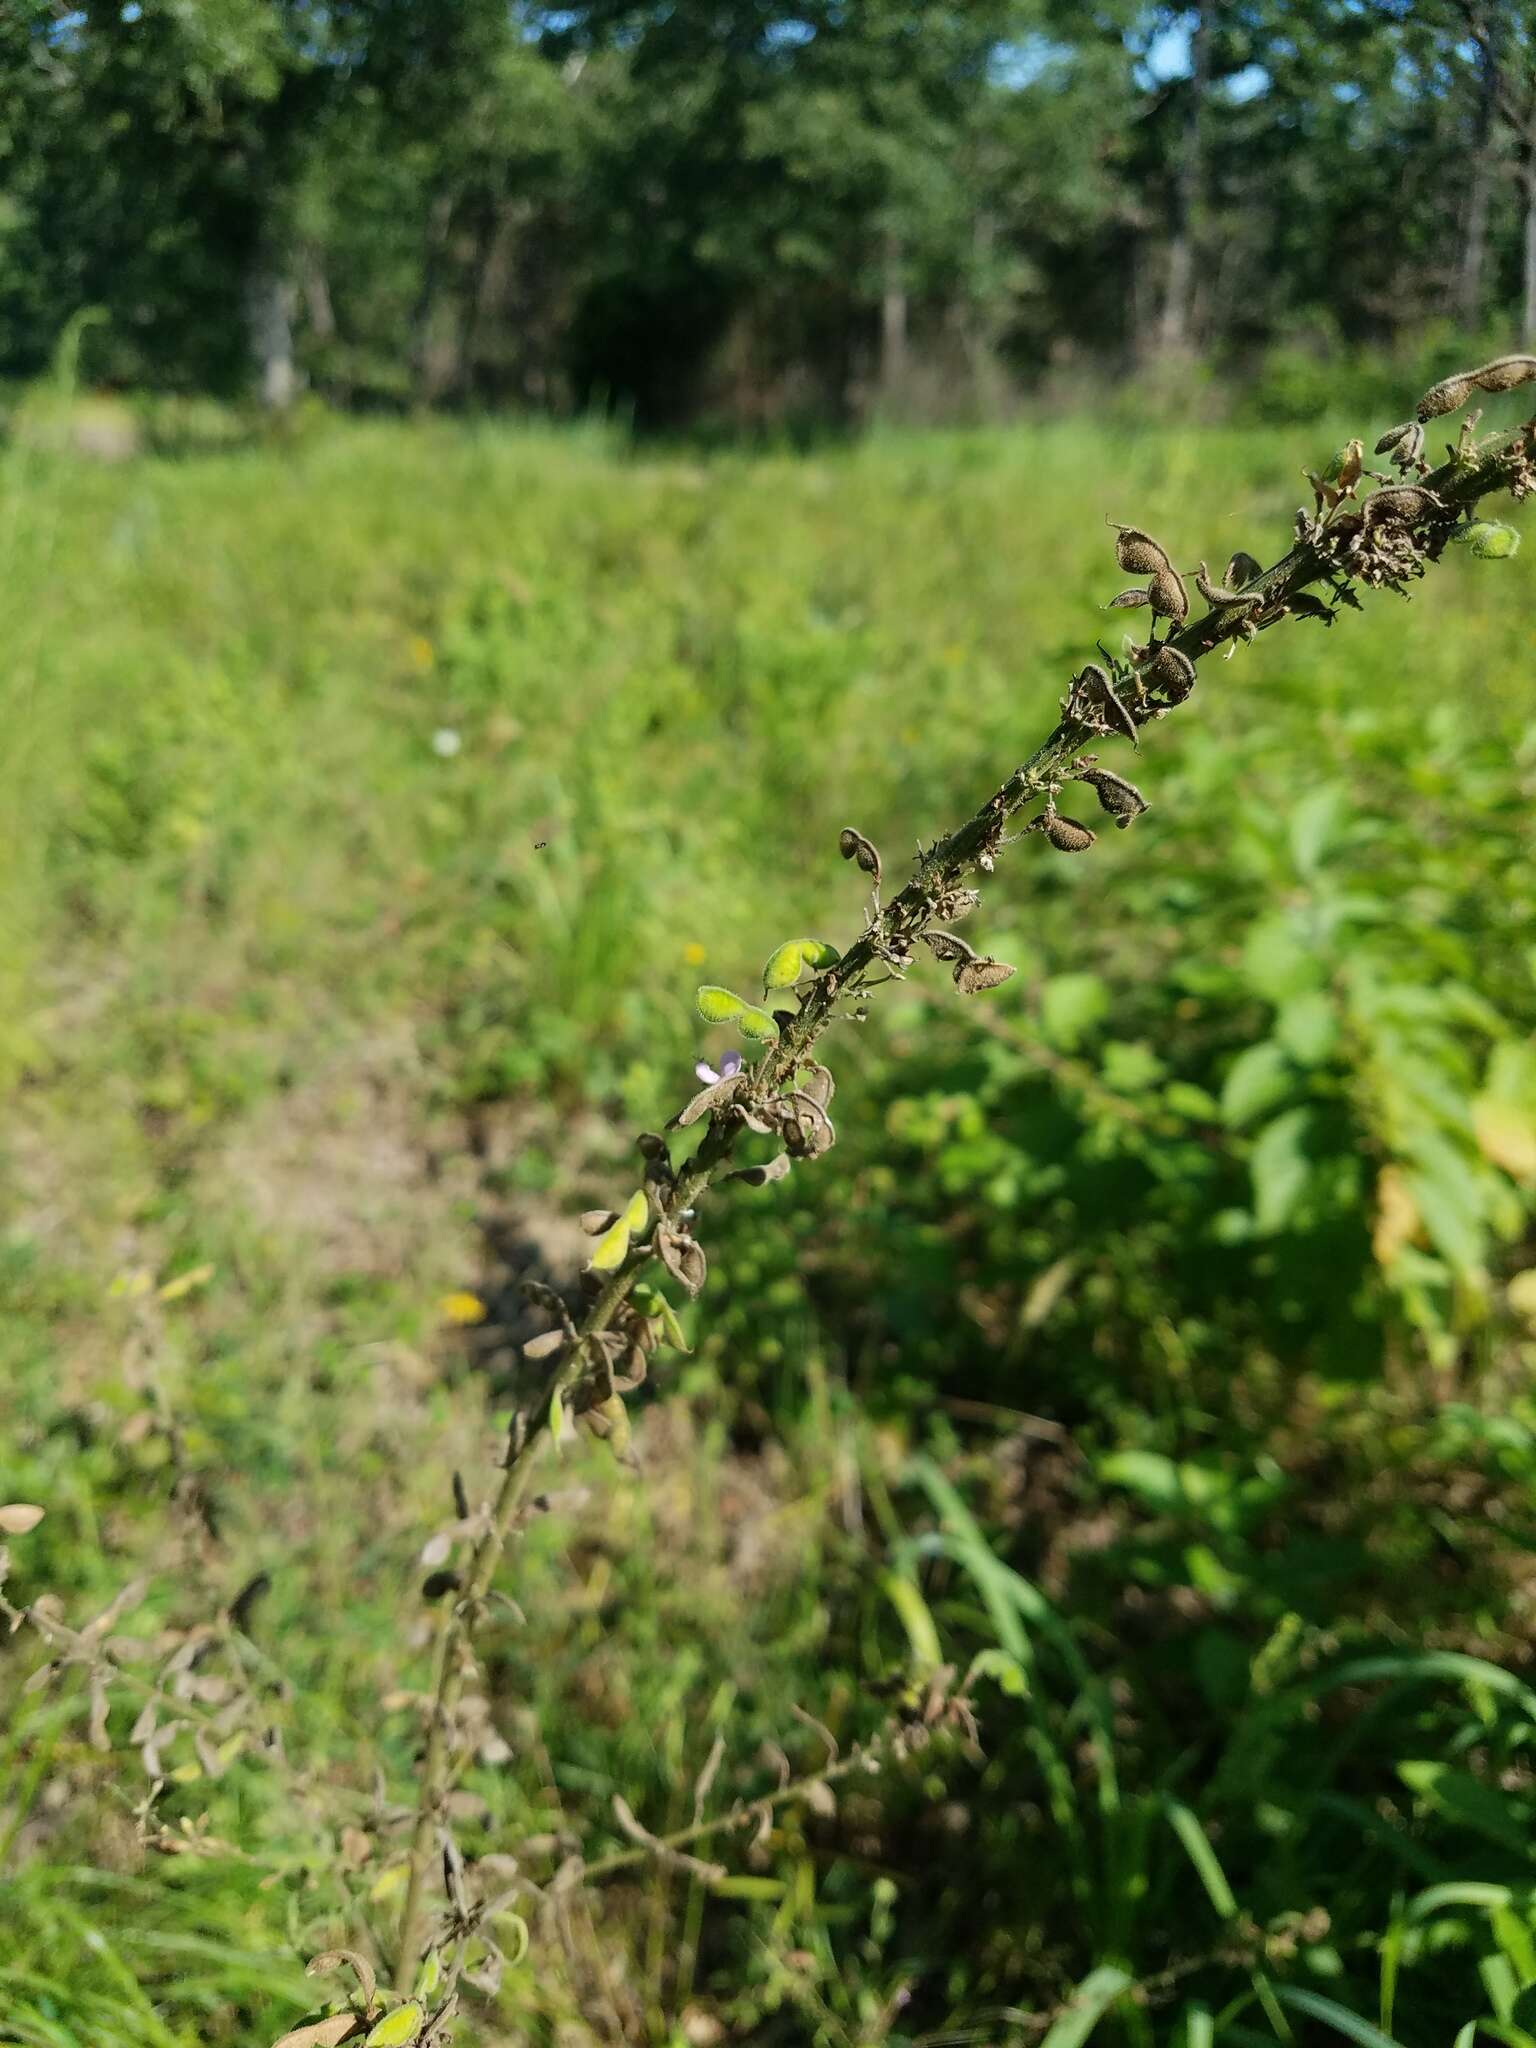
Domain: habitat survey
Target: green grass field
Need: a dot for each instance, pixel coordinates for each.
(1160, 1333)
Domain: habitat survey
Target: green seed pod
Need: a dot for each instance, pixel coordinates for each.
(974, 976)
(1444, 397)
(1137, 552)
(1168, 597)
(1121, 799)
(757, 1025)
(1488, 539)
(1504, 373)
(1066, 834)
(718, 1005)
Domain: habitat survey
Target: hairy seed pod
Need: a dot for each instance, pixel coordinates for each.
(1392, 436)
(1121, 799)
(1137, 552)
(1218, 593)
(1168, 597)
(854, 846)
(1171, 672)
(1116, 714)
(955, 904)
(1401, 504)
(1066, 834)
(973, 976)
(1241, 568)
(1490, 540)
(1128, 600)
(947, 946)
(1504, 373)
(1444, 397)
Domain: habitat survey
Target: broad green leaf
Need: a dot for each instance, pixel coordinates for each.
(1260, 1078)
(1308, 1028)
(1070, 1006)
(398, 2029)
(1280, 1169)
(757, 1025)
(718, 1005)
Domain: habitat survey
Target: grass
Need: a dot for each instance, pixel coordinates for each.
(1150, 1335)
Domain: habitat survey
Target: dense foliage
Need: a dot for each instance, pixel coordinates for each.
(1160, 1334)
(753, 212)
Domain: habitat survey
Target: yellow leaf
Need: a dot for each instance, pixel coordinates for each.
(638, 1212)
(1397, 1216)
(184, 1283)
(462, 1307)
(609, 1253)
(388, 1882)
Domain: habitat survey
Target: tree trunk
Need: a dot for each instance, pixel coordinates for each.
(1176, 322)
(1528, 268)
(1473, 261)
(426, 357)
(270, 310)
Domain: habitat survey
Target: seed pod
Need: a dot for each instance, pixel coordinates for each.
(854, 846)
(972, 976)
(652, 1145)
(1504, 373)
(759, 1176)
(545, 1345)
(1116, 714)
(1490, 540)
(1137, 552)
(595, 1221)
(955, 904)
(1444, 397)
(1171, 672)
(946, 946)
(1241, 569)
(1066, 834)
(1128, 600)
(1402, 504)
(818, 1084)
(1392, 436)
(1121, 799)
(1216, 593)
(1168, 597)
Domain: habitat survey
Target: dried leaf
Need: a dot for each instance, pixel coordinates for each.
(595, 1221)
(327, 2033)
(946, 946)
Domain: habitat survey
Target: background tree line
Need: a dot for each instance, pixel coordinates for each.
(749, 208)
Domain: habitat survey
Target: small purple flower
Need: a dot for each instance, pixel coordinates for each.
(729, 1065)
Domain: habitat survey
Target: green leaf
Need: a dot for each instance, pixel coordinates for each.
(1280, 1169)
(398, 2029)
(1070, 1006)
(1260, 1078)
(1278, 961)
(1087, 2006)
(912, 1608)
(1317, 826)
(1199, 1851)
(558, 1425)
(756, 1025)
(1308, 1028)
(1147, 1473)
(718, 1005)
(1339, 2017)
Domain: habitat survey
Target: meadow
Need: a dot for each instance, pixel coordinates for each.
(1155, 1349)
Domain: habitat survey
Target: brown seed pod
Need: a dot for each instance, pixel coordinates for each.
(1122, 799)
(1128, 600)
(972, 976)
(1217, 593)
(595, 1221)
(1444, 397)
(1170, 672)
(1503, 373)
(1137, 552)
(1392, 436)
(1116, 715)
(1401, 504)
(652, 1145)
(955, 904)
(1066, 834)
(854, 846)
(1168, 597)
(760, 1176)
(947, 946)
(1241, 568)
